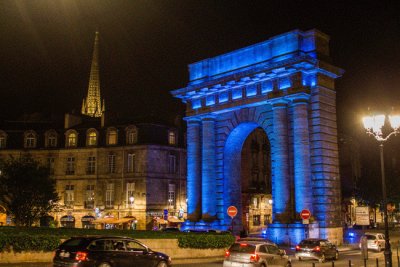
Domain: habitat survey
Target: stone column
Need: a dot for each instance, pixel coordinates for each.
(193, 170)
(301, 150)
(208, 193)
(281, 206)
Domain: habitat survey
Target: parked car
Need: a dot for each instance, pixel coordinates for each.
(255, 254)
(106, 251)
(375, 241)
(315, 248)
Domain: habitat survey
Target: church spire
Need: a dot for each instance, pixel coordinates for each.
(92, 105)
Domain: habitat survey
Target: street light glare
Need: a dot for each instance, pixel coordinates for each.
(394, 121)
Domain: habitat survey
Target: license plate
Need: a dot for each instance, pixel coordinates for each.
(64, 254)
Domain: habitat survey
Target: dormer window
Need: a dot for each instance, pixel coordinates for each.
(91, 138)
(30, 139)
(3, 139)
(71, 138)
(131, 135)
(171, 138)
(51, 139)
(112, 136)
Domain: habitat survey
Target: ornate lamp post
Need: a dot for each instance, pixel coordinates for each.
(373, 125)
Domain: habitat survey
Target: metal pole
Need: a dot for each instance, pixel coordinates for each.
(388, 250)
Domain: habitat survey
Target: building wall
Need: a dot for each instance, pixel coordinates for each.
(151, 178)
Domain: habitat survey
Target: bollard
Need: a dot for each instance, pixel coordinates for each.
(398, 261)
(377, 262)
(365, 262)
(333, 264)
(349, 263)
(313, 264)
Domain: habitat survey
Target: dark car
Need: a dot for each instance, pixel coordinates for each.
(106, 251)
(315, 248)
(255, 254)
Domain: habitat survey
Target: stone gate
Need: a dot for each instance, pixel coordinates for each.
(284, 85)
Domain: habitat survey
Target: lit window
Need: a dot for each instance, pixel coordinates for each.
(69, 195)
(3, 139)
(256, 220)
(71, 139)
(89, 197)
(130, 193)
(171, 195)
(30, 140)
(111, 163)
(112, 137)
(110, 196)
(172, 164)
(91, 165)
(70, 166)
(131, 136)
(171, 138)
(131, 162)
(92, 138)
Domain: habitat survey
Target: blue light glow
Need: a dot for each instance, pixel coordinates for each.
(309, 80)
(237, 93)
(196, 103)
(251, 90)
(223, 97)
(284, 83)
(210, 100)
(266, 87)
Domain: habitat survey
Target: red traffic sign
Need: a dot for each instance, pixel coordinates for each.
(232, 211)
(305, 214)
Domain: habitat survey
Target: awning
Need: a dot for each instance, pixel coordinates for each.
(104, 220)
(174, 220)
(88, 218)
(161, 221)
(67, 218)
(123, 220)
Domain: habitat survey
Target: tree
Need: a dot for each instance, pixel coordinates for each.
(26, 189)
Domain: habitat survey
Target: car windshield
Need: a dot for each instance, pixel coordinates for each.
(309, 243)
(370, 237)
(242, 248)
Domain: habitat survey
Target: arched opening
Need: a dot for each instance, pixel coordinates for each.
(256, 183)
(46, 221)
(3, 216)
(247, 172)
(67, 221)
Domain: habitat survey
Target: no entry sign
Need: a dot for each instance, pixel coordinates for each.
(232, 211)
(305, 214)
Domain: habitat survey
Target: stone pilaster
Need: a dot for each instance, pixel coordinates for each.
(194, 170)
(208, 169)
(301, 150)
(280, 158)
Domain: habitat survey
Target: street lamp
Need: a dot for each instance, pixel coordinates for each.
(373, 125)
(131, 200)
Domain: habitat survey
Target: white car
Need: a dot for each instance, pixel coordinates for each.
(375, 241)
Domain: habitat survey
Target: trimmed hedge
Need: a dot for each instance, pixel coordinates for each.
(25, 242)
(47, 239)
(205, 240)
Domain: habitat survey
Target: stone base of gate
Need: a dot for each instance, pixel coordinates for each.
(202, 225)
(292, 233)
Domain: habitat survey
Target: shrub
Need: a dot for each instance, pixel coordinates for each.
(205, 241)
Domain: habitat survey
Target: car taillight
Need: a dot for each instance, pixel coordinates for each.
(227, 254)
(254, 257)
(297, 247)
(81, 256)
(317, 248)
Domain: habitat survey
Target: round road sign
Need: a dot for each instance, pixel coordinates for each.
(232, 211)
(305, 214)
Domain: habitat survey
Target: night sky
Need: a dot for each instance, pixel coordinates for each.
(145, 46)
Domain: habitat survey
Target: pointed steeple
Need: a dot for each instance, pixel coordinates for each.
(92, 104)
